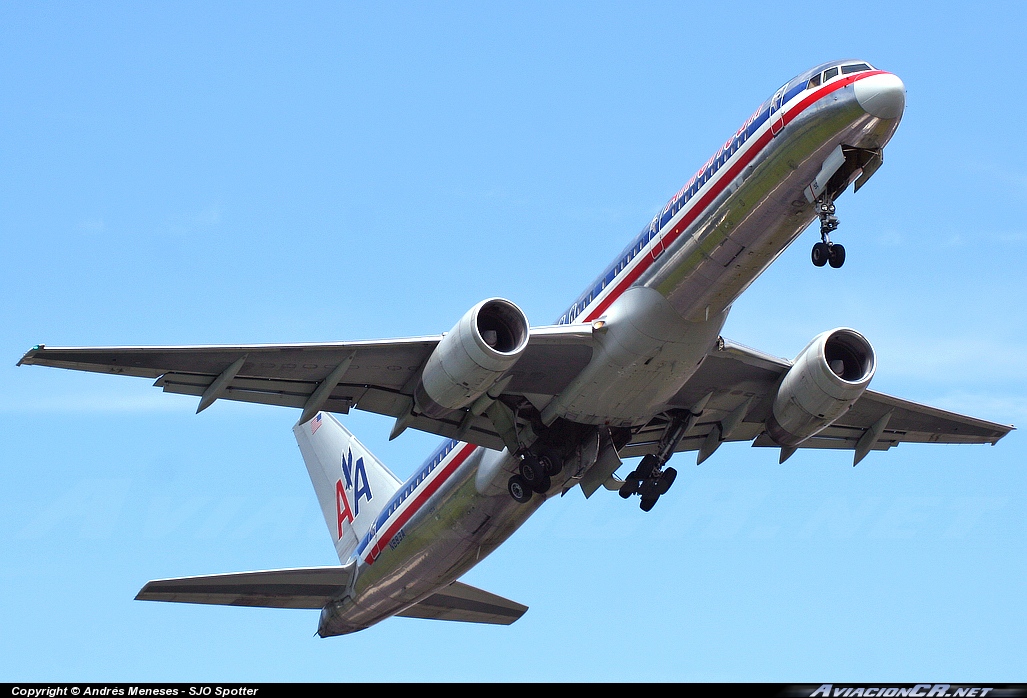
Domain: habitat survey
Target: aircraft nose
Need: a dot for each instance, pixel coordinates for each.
(882, 95)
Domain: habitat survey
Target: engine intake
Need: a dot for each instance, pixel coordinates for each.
(828, 376)
(472, 357)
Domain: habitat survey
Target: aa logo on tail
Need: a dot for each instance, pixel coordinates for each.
(356, 485)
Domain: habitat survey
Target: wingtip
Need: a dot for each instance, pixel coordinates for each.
(141, 594)
(27, 358)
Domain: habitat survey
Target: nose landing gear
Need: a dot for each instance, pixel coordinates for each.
(825, 251)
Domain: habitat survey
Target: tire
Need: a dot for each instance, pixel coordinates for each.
(836, 256)
(819, 255)
(531, 470)
(649, 489)
(667, 480)
(647, 466)
(543, 485)
(628, 488)
(551, 461)
(519, 489)
(647, 503)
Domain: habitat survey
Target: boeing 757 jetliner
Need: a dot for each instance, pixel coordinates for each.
(636, 366)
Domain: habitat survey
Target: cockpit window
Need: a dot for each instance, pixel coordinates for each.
(830, 73)
(854, 68)
(813, 81)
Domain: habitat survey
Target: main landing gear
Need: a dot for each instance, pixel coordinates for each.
(535, 474)
(650, 480)
(825, 251)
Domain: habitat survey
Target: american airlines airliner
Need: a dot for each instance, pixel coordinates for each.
(636, 366)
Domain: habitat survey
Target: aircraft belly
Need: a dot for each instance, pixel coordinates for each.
(644, 354)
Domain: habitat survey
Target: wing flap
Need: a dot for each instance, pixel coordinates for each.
(266, 391)
(462, 602)
(304, 587)
(822, 441)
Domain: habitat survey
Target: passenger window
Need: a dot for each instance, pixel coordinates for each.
(813, 81)
(855, 68)
(830, 73)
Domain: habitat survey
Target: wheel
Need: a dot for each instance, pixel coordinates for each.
(836, 256)
(819, 254)
(647, 503)
(532, 471)
(550, 461)
(666, 480)
(649, 488)
(519, 489)
(646, 467)
(543, 485)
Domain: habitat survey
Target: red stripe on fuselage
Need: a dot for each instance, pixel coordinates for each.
(700, 206)
(431, 488)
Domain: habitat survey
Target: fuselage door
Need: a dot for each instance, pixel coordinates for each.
(777, 116)
(654, 234)
(375, 546)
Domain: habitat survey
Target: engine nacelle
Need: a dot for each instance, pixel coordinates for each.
(472, 357)
(828, 376)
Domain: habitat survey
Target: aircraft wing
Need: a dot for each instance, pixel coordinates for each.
(736, 375)
(462, 602)
(377, 376)
(380, 376)
(304, 587)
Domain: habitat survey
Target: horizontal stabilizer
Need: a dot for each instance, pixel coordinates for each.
(303, 587)
(469, 604)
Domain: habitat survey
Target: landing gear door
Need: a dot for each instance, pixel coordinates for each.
(777, 117)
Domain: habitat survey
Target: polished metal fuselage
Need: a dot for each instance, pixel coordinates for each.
(654, 333)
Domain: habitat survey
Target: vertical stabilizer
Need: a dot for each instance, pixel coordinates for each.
(352, 485)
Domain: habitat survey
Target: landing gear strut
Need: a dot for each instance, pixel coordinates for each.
(650, 480)
(825, 251)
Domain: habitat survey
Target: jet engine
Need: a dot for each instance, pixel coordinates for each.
(472, 357)
(828, 376)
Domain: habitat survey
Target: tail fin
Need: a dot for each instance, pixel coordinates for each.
(352, 485)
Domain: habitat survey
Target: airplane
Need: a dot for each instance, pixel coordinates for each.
(636, 366)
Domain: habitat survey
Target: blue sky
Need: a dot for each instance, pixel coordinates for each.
(246, 172)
